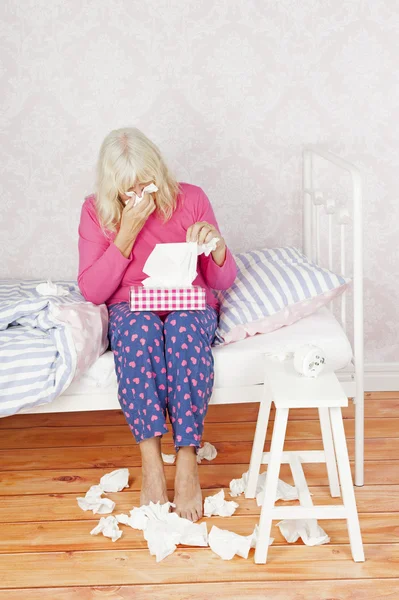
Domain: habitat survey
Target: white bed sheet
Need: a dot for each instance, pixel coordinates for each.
(241, 363)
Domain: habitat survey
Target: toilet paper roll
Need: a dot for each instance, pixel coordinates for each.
(309, 361)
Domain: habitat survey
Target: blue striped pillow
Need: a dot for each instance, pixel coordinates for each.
(273, 288)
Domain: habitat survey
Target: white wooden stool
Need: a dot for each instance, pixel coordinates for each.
(287, 389)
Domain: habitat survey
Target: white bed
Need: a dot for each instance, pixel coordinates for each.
(238, 365)
(239, 372)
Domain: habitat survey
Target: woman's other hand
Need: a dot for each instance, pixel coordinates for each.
(202, 233)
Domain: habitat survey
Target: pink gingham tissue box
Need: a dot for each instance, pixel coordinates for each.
(162, 298)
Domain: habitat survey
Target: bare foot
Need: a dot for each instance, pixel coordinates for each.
(153, 484)
(153, 487)
(188, 497)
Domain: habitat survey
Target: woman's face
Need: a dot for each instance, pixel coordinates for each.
(137, 189)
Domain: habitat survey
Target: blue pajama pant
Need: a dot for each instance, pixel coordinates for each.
(163, 364)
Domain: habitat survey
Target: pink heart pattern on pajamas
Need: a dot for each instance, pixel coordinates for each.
(163, 385)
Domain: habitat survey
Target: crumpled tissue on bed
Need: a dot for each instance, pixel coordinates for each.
(217, 505)
(110, 482)
(51, 289)
(207, 451)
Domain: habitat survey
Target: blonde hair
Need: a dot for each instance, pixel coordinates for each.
(128, 157)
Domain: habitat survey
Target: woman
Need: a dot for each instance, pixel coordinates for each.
(163, 359)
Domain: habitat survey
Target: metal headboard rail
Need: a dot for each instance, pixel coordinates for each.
(314, 201)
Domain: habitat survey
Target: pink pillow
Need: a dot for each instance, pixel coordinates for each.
(289, 315)
(89, 328)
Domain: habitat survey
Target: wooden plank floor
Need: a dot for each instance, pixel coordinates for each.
(47, 552)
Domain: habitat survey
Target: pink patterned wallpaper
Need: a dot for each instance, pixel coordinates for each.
(230, 91)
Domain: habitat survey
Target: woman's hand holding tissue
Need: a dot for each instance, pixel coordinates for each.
(202, 233)
(132, 221)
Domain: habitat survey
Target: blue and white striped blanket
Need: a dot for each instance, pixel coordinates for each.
(37, 351)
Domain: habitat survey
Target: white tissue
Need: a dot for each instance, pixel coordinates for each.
(149, 189)
(171, 265)
(160, 541)
(227, 543)
(217, 505)
(115, 481)
(109, 527)
(175, 264)
(140, 516)
(93, 501)
(163, 530)
(309, 360)
(191, 534)
(208, 247)
(238, 486)
(207, 451)
(307, 529)
(163, 536)
(169, 459)
(51, 289)
(110, 482)
(285, 491)
(157, 511)
(137, 520)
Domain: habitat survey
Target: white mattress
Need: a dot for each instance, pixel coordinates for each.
(241, 363)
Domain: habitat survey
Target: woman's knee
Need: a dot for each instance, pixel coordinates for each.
(185, 328)
(185, 323)
(134, 325)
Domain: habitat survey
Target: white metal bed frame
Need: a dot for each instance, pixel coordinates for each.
(315, 208)
(351, 380)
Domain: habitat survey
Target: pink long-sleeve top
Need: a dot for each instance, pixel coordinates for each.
(105, 275)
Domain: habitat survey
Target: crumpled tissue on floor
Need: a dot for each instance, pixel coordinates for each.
(307, 529)
(108, 526)
(207, 451)
(285, 491)
(217, 505)
(163, 530)
(110, 482)
(227, 544)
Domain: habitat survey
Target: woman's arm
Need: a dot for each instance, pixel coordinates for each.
(218, 276)
(101, 264)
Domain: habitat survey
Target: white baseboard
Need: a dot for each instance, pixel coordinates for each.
(381, 377)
